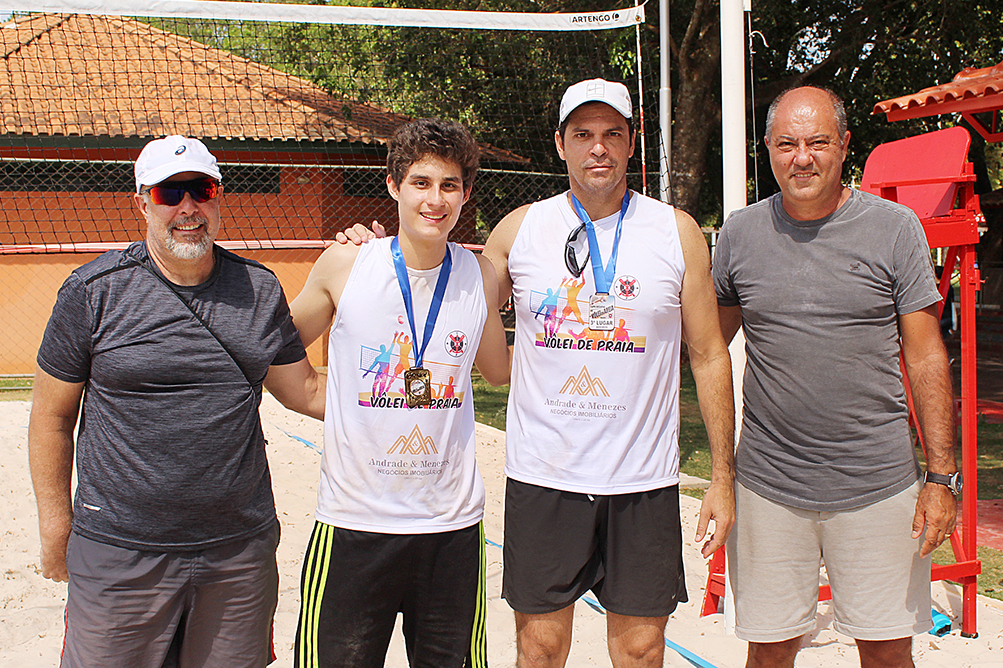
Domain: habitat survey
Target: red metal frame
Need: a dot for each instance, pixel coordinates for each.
(958, 232)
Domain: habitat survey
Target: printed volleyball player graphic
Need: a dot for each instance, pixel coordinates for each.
(398, 474)
(388, 371)
(605, 324)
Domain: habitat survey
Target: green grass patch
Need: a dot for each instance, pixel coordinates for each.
(990, 459)
(990, 581)
(15, 388)
(695, 492)
(694, 449)
(489, 402)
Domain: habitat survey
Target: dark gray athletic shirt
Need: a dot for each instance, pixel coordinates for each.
(170, 453)
(825, 422)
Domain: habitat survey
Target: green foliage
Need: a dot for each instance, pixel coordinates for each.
(994, 165)
(868, 51)
(504, 84)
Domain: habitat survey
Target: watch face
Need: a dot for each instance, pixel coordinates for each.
(957, 482)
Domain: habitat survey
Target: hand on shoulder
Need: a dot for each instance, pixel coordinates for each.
(358, 234)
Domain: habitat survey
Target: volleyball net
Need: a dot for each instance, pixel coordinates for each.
(297, 102)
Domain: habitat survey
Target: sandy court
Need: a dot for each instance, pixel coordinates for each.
(31, 607)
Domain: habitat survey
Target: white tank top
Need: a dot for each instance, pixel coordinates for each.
(387, 468)
(596, 412)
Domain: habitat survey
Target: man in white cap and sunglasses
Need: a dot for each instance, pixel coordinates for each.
(162, 350)
(592, 497)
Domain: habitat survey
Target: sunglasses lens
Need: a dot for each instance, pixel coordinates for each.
(166, 195)
(576, 246)
(203, 190)
(570, 262)
(171, 194)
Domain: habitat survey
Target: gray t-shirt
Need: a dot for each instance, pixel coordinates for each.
(170, 453)
(826, 421)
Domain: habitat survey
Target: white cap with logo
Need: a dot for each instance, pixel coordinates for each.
(614, 94)
(163, 158)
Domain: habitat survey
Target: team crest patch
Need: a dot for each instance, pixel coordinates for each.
(627, 287)
(456, 343)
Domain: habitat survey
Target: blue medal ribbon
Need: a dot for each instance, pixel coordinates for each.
(603, 277)
(433, 308)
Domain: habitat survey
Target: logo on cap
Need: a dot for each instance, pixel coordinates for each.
(181, 149)
(597, 88)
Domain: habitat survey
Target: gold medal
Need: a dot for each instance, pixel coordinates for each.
(418, 387)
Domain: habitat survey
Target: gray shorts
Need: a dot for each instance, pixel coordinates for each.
(626, 548)
(210, 607)
(880, 585)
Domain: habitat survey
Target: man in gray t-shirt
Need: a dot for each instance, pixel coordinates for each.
(162, 349)
(829, 285)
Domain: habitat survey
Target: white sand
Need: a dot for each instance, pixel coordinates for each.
(31, 607)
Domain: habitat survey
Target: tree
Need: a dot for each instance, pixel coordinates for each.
(872, 50)
(865, 50)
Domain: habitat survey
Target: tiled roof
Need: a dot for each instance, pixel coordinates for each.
(101, 75)
(972, 91)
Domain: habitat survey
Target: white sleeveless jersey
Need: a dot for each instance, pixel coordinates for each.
(387, 468)
(596, 412)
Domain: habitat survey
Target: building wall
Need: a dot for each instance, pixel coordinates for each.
(306, 203)
(30, 284)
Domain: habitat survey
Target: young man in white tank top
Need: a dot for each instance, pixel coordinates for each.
(592, 454)
(401, 501)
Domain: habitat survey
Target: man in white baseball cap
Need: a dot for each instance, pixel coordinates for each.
(169, 542)
(592, 453)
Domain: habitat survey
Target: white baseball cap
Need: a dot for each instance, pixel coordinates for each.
(163, 158)
(596, 90)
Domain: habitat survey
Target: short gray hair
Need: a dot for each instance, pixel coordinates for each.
(837, 107)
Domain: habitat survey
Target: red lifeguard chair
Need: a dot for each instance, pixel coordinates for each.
(930, 174)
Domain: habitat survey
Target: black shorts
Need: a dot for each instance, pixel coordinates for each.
(626, 548)
(354, 583)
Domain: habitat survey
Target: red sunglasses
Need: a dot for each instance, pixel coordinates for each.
(171, 193)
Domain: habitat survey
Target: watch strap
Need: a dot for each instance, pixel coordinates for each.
(952, 481)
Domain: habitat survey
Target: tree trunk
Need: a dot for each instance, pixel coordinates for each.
(697, 113)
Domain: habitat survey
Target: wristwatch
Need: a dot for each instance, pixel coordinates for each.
(953, 482)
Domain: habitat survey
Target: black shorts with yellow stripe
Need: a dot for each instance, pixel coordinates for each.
(354, 584)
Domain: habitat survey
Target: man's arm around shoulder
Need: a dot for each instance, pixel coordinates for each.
(711, 366)
(54, 409)
(929, 373)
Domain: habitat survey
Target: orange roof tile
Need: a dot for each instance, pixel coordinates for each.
(113, 76)
(972, 90)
